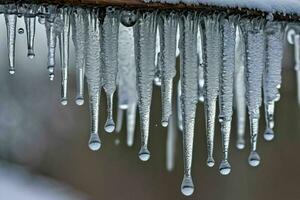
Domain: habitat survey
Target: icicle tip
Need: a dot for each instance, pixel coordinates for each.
(94, 142)
(187, 186)
(79, 101)
(254, 159)
(144, 154)
(225, 167)
(109, 126)
(269, 134)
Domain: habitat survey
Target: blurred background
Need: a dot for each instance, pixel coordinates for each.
(43, 145)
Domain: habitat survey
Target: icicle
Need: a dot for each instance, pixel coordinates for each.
(201, 63)
(226, 89)
(93, 76)
(79, 33)
(145, 37)
(109, 54)
(171, 143)
(168, 28)
(51, 39)
(296, 42)
(272, 74)
(189, 92)
(157, 77)
(64, 53)
(211, 79)
(255, 49)
(30, 19)
(130, 117)
(179, 111)
(11, 23)
(239, 87)
(41, 16)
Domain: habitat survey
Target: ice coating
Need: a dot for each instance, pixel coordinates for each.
(239, 86)
(109, 57)
(168, 23)
(189, 92)
(79, 37)
(30, 20)
(11, 23)
(64, 38)
(93, 74)
(272, 73)
(127, 90)
(213, 45)
(145, 38)
(226, 88)
(255, 48)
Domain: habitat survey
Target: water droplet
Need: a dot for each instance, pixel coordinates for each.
(109, 126)
(240, 144)
(30, 55)
(254, 159)
(210, 162)
(12, 71)
(129, 18)
(269, 134)
(224, 167)
(94, 142)
(79, 101)
(144, 154)
(64, 102)
(187, 186)
(20, 31)
(164, 123)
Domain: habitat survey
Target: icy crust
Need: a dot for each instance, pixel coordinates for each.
(284, 6)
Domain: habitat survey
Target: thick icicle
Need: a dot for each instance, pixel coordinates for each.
(201, 62)
(93, 74)
(11, 23)
(78, 36)
(272, 73)
(168, 24)
(109, 56)
(145, 38)
(30, 20)
(157, 77)
(189, 92)
(255, 48)
(239, 87)
(226, 89)
(51, 39)
(64, 38)
(211, 79)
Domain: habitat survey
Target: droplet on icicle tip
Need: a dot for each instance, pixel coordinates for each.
(224, 167)
(30, 54)
(20, 31)
(94, 142)
(12, 71)
(269, 134)
(187, 186)
(64, 102)
(79, 101)
(109, 126)
(210, 162)
(240, 144)
(254, 159)
(164, 123)
(144, 154)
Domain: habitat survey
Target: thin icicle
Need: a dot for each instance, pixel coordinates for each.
(145, 38)
(11, 23)
(211, 79)
(119, 120)
(272, 74)
(30, 21)
(171, 143)
(93, 76)
(79, 36)
(51, 39)
(255, 48)
(158, 64)
(239, 87)
(64, 38)
(201, 62)
(189, 92)
(168, 28)
(179, 111)
(226, 89)
(109, 56)
(297, 63)
(130, 123)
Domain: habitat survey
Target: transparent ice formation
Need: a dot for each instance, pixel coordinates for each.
(231, 60)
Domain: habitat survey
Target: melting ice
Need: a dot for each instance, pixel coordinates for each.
(226, 59)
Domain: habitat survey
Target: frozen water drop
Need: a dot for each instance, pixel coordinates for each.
(109, 126)
(129, 18)
(79, 101)
(12, 71)
(144, 154)
(224, 167)
(187, 186)
(269, 134)
(164, 123)
(240, 144)
(64, 102)
(210, 162)
(30, 54)
(21, 31)
(94, 142)
(254, 159)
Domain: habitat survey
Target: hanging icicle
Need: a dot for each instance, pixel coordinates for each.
(30, 20)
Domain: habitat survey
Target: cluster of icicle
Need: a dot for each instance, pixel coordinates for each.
(230, 58)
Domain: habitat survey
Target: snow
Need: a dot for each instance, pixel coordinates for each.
(284, 6)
